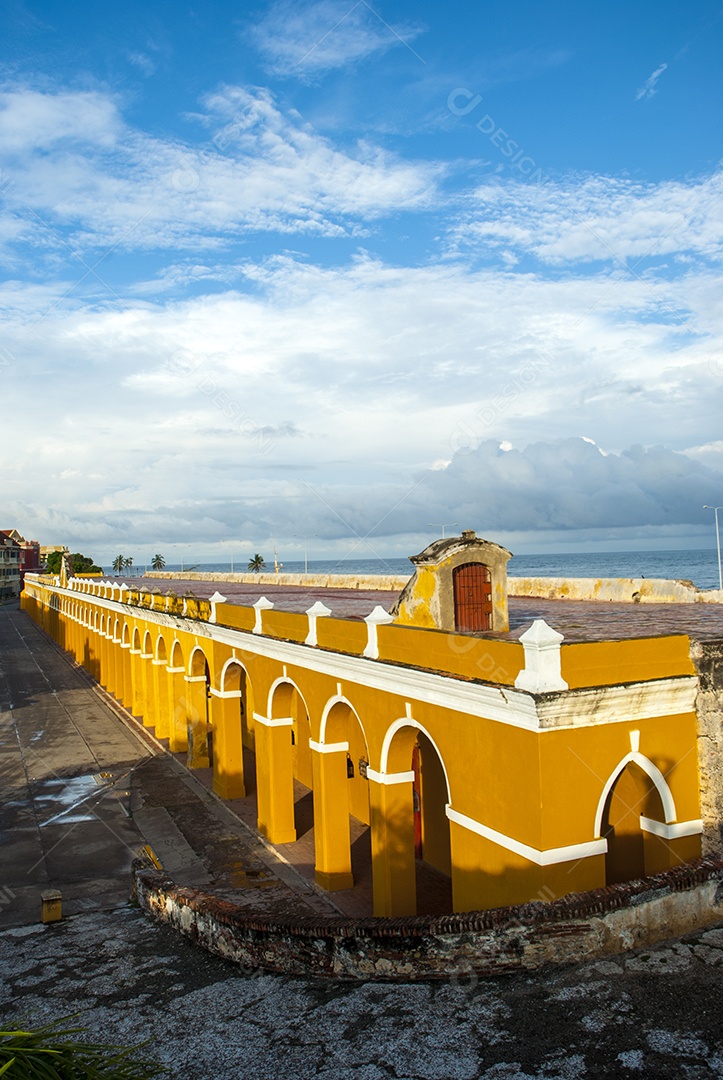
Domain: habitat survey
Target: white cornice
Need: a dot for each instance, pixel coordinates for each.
(502, 704)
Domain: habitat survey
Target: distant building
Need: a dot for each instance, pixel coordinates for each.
(10, 580)
(29, 551)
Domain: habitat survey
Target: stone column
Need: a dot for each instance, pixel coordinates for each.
(275, 779)
(392, 826)
(177, 710)
(148, 691)
(331, 816)
(197, 722)
(228, 762)
(160, 699)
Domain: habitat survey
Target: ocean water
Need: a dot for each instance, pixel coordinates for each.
(698, 566)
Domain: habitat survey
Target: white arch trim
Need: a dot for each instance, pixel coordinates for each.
(283, 680)
(194, 650)
(409, 721)
(655, 775)
(232, 661)
(338, 699)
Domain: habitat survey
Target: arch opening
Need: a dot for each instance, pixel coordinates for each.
(632, 853)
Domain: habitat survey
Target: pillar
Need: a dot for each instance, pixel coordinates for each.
(111, 653)
(197, 722)
(332, 841)
(160, 699)
(392, 828)
(137, 704)
(125, 683)
(275, 779)
(177, 729)
(228, 762)
(148, 689)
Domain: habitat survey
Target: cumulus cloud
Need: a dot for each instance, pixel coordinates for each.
(571, 484)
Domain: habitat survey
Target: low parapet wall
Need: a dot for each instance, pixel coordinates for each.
(578, 927)
(383, 582)
(620, 590)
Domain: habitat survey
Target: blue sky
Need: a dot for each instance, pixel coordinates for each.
(338, 270)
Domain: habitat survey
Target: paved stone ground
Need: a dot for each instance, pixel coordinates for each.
(652, 1014)
(81, 793)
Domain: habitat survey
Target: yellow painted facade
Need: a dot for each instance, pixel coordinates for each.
(521, 769)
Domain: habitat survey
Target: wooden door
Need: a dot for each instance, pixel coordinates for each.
(472, 597)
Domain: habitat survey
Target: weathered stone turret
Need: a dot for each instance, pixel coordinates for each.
(460, 583)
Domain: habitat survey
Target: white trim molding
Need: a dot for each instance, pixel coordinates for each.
(274, 721)
(671, 831)
(548, 857)
(329, 747)
(387, 778)
(661, 785)
(226, 693)
(587, 707)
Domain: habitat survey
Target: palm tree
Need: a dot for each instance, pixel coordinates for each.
(128, 562)
(257, 564)
(158, 562)
(118, 563)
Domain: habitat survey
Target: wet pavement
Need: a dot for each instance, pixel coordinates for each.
(85, 789)
(72, 772)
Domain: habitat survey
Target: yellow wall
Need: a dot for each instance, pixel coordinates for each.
(532, 790)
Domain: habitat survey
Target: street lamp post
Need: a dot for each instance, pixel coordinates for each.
(717, 540)
(439, 525)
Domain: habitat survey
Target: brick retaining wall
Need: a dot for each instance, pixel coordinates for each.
(577, 927)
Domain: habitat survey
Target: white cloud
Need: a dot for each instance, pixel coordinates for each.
(305, 40)
(596, 218)
(648, 89)
(323, 395)
(80, 178)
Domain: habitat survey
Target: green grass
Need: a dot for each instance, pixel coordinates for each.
(54, 1052)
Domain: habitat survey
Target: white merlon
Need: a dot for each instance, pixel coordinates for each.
(213, 600)
(317, 611)
(541, 673)
(262, 604)
(378, 617)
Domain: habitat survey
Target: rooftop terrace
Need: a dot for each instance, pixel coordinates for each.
(578, 620)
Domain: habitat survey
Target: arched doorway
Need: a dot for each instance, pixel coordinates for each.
(341, 801)
(177, 701)
(472, 584)
(200, 735)
(415, 870)
(631, 852)
(234, 769)
(160, 690)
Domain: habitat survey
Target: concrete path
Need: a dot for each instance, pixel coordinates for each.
(83, 791)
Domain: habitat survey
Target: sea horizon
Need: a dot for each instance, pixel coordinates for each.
(699, 565)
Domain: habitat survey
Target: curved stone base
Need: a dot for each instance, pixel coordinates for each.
(582, 926)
